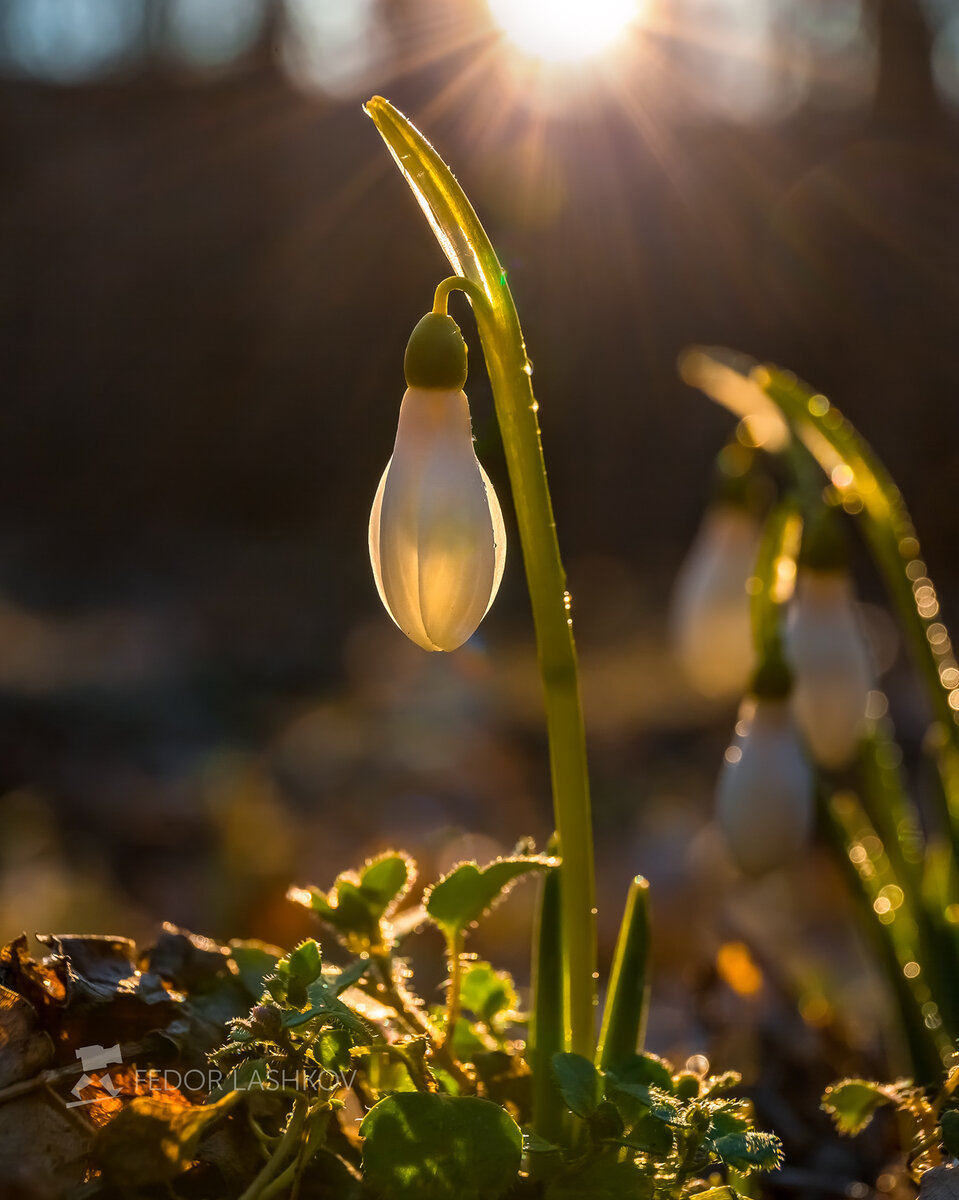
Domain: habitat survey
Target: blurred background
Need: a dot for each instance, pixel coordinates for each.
(209, 268)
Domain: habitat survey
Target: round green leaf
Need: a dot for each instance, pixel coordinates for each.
(422, 1146)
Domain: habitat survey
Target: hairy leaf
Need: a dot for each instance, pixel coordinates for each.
(644, 1068)
(468, 891)
(360, 903)
(852, 1103)
(750, 1151)
(488, 994)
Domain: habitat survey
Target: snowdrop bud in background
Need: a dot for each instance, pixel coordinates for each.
(711, 626)
(437, 540)
(827, 649)
(764, 797)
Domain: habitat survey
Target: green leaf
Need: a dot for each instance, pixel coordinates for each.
(322, 1002)
(649, 1134)
(601, 1179)
(467, 892)
(715, 1085)
(644, 1068)
(488, 994)
(663, 1107)
(151, 1141)
(852, 1103)
(253, 961)
(359, 904)
(305, 964)
(729, 1119)
(580, 1083)
(750, 1151)
(425, 1146)
(950, 1131)
(332, 1050)
(385, 880)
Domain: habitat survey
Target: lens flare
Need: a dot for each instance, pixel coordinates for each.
(563, 31)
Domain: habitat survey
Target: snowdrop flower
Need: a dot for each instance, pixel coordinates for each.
(827, 650)
(437, 540)
(764, 799)
(711, 624)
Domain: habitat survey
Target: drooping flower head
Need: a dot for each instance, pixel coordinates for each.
(827, 649)
(764, 796)
(437, 539)
(711, 625)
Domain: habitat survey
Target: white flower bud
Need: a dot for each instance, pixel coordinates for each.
(764, 797)
(437, 540)
(711, 625)
(833, 671)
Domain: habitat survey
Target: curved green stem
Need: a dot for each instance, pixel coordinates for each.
(471, 255)
(457, 283)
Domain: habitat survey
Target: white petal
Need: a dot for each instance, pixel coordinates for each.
(833, 669)
(711, 624)
(764, 798)
(437, 541)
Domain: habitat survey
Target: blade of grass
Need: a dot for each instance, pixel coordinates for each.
(627, 1001)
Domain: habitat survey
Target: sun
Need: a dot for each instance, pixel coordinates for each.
(564, 31)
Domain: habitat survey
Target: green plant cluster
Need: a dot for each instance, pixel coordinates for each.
(439, 1098)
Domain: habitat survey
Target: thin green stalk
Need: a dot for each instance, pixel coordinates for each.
(897, 822)
(287, 1145)
(891, 926)
(546, 1017)
(454, 950)
(471, 255)
(627, 1002)
(779, 543)
(315, 1135)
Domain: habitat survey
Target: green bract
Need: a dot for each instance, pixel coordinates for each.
(436, 354)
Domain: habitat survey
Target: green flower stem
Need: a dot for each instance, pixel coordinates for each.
(315, 1135)
(624, 1017)
(779, 540)
(454, 950)
(871, 875)
(471, 255)
(410, 1014)
(286, 1146)
(546, 1030)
